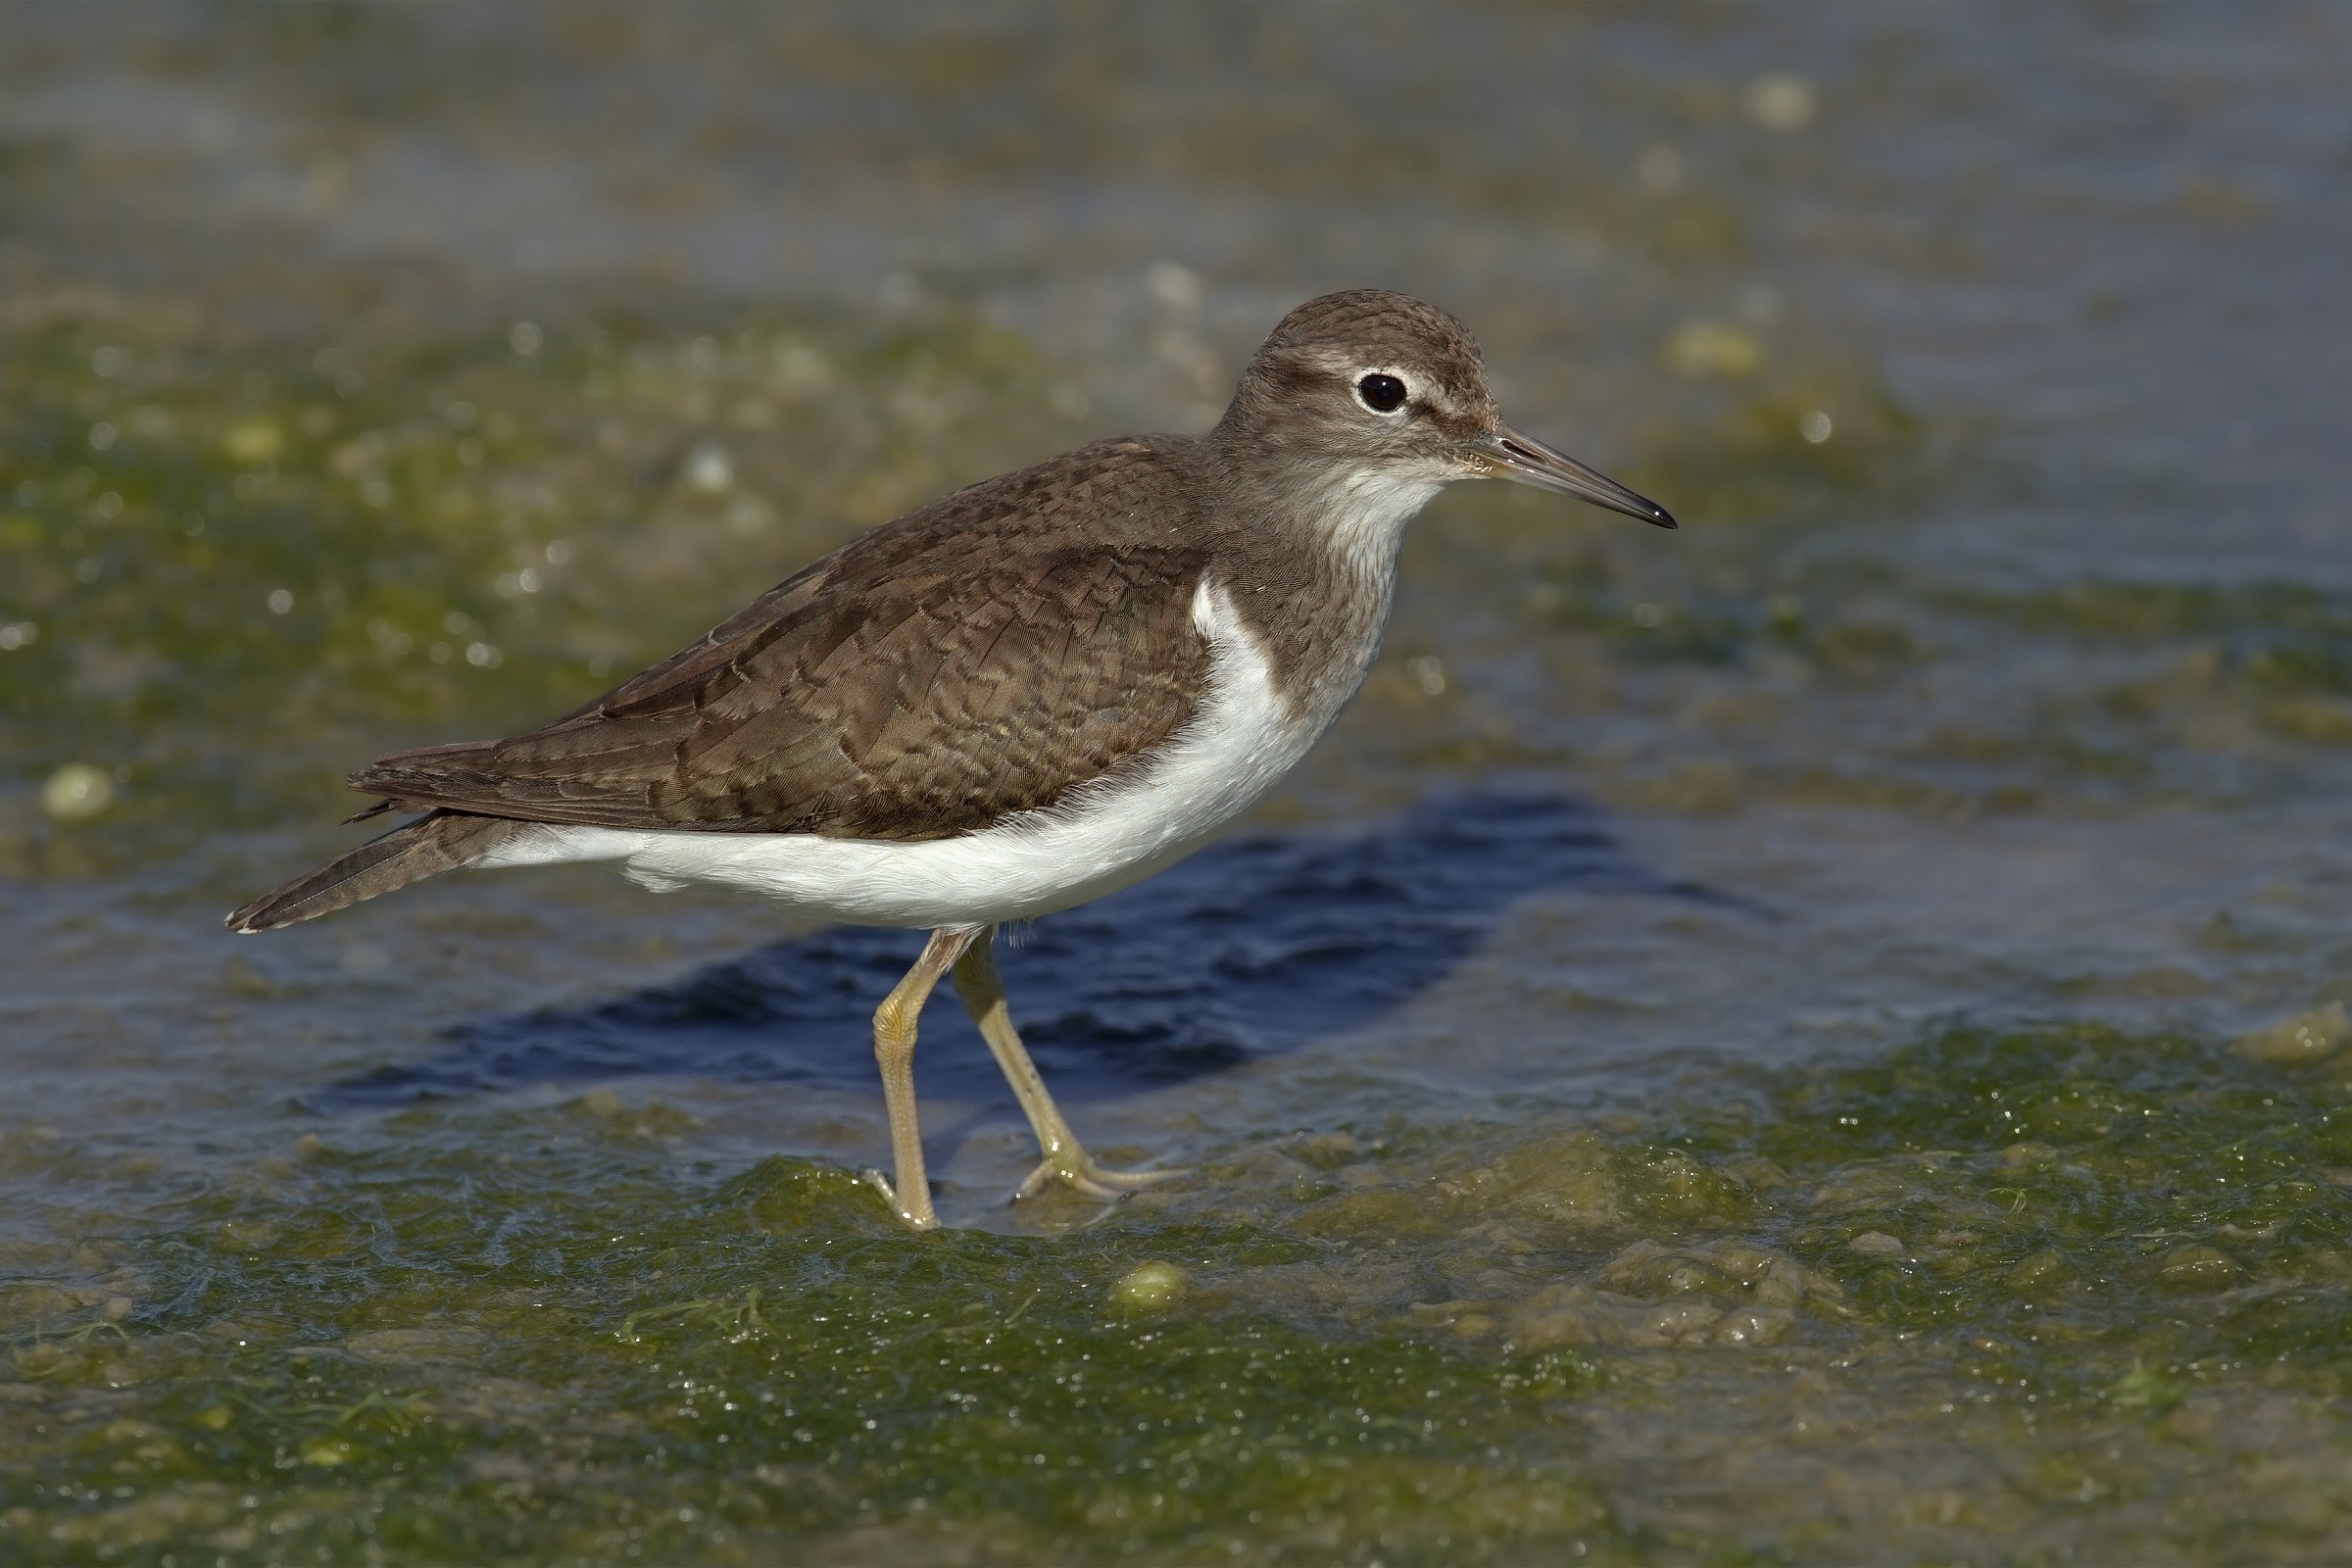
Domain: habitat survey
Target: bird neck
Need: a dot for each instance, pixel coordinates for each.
(1307, 548)
(1352, 506)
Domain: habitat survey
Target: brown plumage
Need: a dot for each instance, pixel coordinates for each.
(971, 659)
(437, 842)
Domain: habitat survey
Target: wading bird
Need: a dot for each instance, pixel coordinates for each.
(1022, 696)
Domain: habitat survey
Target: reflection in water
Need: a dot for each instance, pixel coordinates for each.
(1248, 949)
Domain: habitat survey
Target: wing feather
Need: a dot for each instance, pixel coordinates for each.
(969, 660)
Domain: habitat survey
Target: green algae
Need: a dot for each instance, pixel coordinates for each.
(2072, 1176)
(772, 1359)
(1389, 1343)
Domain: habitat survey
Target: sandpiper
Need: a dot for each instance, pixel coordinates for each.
(1022, 696)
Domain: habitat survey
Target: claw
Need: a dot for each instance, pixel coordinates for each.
(1108, 1186)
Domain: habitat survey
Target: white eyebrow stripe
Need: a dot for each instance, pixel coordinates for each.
(1418, 387)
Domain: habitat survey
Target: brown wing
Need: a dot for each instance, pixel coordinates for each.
(973, 659)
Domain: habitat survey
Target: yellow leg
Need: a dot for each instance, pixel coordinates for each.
(893, 1053)
(1064, 1160)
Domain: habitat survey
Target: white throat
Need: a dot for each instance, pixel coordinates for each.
(1366, 513)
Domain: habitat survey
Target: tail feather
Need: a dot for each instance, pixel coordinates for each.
(436, 842)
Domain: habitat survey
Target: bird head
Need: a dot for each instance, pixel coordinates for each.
(1374, 382)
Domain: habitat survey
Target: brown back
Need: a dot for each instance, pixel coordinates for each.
(983, 655)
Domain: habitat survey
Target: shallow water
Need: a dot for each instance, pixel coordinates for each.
(1816, 1036)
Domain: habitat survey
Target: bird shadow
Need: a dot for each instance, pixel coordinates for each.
(1252, 947)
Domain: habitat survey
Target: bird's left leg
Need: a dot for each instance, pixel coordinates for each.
(1065, 1159)
(893, 1053)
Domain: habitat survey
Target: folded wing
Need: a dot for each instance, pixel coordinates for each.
(923, 681)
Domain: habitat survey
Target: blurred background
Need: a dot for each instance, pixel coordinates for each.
(374, 375)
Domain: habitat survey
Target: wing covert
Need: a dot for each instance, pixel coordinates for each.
(921, 707)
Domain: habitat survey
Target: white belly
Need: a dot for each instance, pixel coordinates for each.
(1239, 743)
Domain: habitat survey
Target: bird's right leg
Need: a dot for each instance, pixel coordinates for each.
(894, 1053)
(1064, 1160)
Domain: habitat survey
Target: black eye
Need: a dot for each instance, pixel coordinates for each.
(1383, 394)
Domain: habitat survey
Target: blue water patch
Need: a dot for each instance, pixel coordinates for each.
(1250, 948)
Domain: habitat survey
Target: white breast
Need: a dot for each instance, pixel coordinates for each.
(1240, 741)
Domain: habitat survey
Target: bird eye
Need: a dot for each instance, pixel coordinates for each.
(1382, 393)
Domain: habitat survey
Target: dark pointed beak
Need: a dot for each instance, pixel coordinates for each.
(1524, 459)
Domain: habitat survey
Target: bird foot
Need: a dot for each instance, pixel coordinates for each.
(1083, 1175)
(914, 1219)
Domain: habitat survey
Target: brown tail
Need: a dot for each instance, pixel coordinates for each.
(434, 843)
